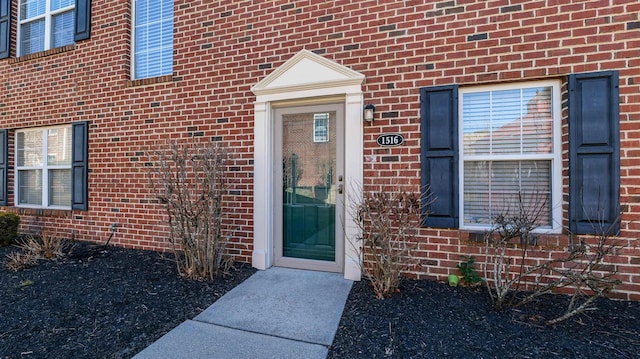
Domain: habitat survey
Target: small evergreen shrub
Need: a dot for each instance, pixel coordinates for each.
(8, 228)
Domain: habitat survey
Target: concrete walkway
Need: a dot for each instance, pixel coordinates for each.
(277, 313)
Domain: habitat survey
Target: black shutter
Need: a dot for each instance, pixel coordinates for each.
(4, 167)
(594, 152)
(83, 20)
(5, 28)
(79, 166)
(439, 148)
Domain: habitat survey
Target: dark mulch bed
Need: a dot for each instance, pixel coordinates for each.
(115, 304)
(112, 305)
(428, 319)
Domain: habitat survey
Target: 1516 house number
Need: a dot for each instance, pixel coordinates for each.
(390, 139)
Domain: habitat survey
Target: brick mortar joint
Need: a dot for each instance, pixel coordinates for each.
(41, 54)
(41, 212)
(149, 81)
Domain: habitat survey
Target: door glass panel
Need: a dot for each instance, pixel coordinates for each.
(308, 181)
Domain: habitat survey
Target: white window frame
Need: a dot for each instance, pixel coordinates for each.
(44, 168)
(48, 23)
(317, 117)
(133, 44)
(555, 157)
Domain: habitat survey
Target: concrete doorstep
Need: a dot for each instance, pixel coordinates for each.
(276, 313)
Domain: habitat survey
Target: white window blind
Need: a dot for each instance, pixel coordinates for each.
(153, 38)
(508, 153)
(63, 29)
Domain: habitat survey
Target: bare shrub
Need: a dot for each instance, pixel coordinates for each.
(586, 275)
(45, 246)
(580, 269)
(19, 260)
(190, 181)
(34, 248)
(387, 224)
(512, 223)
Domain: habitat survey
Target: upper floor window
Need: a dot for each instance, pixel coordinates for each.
(45, 24)
(153, 38)
(43, 167)
(321, 127)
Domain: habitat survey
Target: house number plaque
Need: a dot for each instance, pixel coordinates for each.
(390, 139)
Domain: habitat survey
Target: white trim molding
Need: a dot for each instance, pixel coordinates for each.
(306, 78)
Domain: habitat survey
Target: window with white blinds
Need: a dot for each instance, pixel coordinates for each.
(153, 38)
(510, 153)
(43, 167)
(45, 24)
(321, 127)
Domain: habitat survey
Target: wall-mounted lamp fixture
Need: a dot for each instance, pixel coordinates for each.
(369, 110)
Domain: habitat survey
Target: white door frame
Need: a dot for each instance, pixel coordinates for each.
(280, 260)
(306, 79)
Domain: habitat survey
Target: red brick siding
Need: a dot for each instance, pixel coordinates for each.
(223, 50)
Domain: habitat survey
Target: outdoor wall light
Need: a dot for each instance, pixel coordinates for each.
(368, 112)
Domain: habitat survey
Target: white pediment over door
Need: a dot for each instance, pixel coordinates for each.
(307, 71)
(305, 79)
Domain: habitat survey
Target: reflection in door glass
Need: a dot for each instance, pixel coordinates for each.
(309, 164)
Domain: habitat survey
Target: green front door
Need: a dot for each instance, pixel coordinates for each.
(310, 187)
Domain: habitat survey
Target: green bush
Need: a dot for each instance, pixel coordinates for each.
(8, 228)
(469, 274)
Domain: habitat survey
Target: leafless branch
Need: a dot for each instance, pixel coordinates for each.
(190, 181)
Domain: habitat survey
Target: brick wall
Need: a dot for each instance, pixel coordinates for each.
(223, 50)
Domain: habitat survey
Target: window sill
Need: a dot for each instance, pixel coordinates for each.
(150, 81)
(538, 230)
(540, 240)
(37, 55)
(41, 212)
